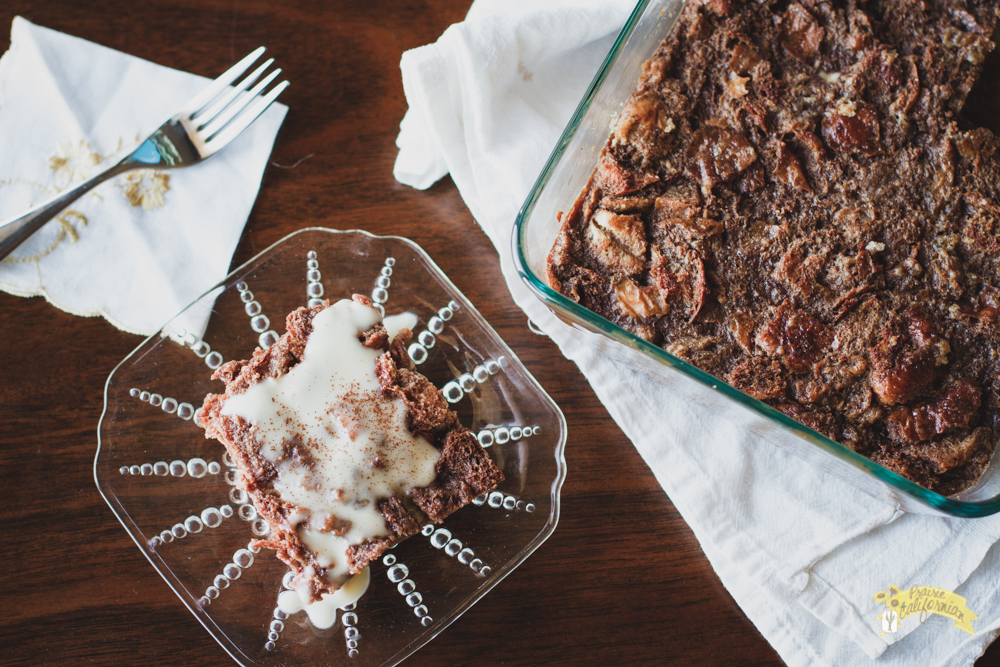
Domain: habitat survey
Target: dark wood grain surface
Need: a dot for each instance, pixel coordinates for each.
(622, 581)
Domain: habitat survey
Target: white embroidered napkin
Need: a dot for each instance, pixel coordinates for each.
(143, 246)
(803, 554)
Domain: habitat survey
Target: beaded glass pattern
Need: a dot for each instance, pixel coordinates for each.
(173, 489)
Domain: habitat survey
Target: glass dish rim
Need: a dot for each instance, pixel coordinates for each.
(573, 310)
(500, 573)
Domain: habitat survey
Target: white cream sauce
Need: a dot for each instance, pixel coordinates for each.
(396, 323)
(323, 612)
(338, 444)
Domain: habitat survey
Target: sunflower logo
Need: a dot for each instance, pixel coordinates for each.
(922, 601)
(889, 616)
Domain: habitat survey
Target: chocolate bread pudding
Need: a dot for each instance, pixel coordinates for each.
(341, 446)
(790, 202)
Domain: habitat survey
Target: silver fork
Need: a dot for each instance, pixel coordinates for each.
(202, 128)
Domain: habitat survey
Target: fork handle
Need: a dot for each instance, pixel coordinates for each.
(15, 232)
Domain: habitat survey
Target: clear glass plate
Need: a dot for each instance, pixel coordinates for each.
(172, 488)
(560, 183)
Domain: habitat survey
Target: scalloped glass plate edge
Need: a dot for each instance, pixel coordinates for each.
(190, 601)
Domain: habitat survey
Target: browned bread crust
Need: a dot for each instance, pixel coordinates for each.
(464, 470)
(789, 202)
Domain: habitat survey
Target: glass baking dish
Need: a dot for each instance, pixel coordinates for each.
(173, 489)
(563, 178)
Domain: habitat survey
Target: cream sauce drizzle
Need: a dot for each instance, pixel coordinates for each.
(323, 612)
(395, 323)
(337, 443)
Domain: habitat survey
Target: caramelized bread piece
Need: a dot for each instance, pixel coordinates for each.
(270, 466)
(789, 202)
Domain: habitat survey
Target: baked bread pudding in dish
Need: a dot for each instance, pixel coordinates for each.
(789, 202)
(341, 446)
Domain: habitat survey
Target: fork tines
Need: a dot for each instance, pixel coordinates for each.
(223, 110)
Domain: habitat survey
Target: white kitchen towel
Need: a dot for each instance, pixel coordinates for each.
(802, 553)
(142, 246)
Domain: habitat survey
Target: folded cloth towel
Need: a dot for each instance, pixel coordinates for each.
(802, 553)
(142, 246)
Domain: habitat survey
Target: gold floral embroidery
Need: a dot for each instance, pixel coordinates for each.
(65, 220)
(146, 188)
(66, 229)
(74, 162)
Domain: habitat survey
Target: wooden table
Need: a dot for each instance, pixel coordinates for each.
(635, 590)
